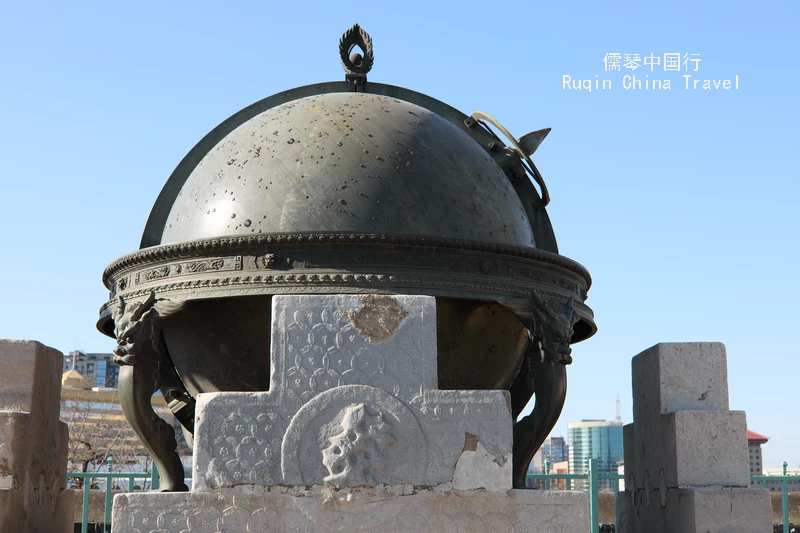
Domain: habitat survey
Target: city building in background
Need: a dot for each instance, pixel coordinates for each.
(98, 429)
(754, 442)
(559, 468)
(99, 368)
(554, 450)
(595, 439)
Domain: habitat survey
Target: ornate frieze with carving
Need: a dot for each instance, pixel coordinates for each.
(361, 264)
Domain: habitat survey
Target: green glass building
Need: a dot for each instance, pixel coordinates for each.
(596, 439)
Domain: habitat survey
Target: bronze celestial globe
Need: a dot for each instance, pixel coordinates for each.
(347, 187)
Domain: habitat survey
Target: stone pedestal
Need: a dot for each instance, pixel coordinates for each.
(33, 442)
(353, 435)
(385, 509)
(686, 459)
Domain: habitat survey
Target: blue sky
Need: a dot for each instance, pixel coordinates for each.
(682, 204)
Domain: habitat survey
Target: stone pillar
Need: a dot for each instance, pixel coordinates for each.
(33, 441)
(686, 459)
(353, 435)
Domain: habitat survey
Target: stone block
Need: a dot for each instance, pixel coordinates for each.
(353, 402)
(710, 448)
(318, 342)
(727, 510)
(695, 510)
(630, 455)
(28, 457)
(690, 448)
(395, 509)
(622, 512)
(35, 511)
(33, 442)
(669, 377)
(31, 378)
(683, 433)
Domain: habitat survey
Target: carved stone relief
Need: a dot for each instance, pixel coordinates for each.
(340, 363)
(243, 453)
(387, 430)
(357, 454)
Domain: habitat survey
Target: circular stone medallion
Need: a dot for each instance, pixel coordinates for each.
(354, 435)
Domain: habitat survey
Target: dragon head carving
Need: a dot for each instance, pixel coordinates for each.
(134, 326)
(555, 329)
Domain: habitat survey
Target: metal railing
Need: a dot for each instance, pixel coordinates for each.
(784, 479)
(109, 478)
(593, 478)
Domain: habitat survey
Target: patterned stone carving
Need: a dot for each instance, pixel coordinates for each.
(242, 454)
(329, 354)
(325, 350)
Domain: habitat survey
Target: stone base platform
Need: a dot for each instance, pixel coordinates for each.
(695, 510)
(390, 509)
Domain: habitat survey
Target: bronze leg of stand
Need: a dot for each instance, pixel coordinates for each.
(550, 387)
(137, 383)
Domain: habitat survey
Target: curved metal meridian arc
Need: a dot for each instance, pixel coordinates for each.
(480, 115)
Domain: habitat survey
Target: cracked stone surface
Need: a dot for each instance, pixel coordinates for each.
(396, 509)
(331, 357)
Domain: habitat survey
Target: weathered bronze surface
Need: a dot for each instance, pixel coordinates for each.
(141, 353)
(348, 187)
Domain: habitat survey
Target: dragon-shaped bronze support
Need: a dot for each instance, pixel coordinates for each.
(543, 373)
(140, 352)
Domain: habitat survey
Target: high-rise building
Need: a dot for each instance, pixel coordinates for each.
(554, 450)
(98, 368)
(595, 439)
(754, 442)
